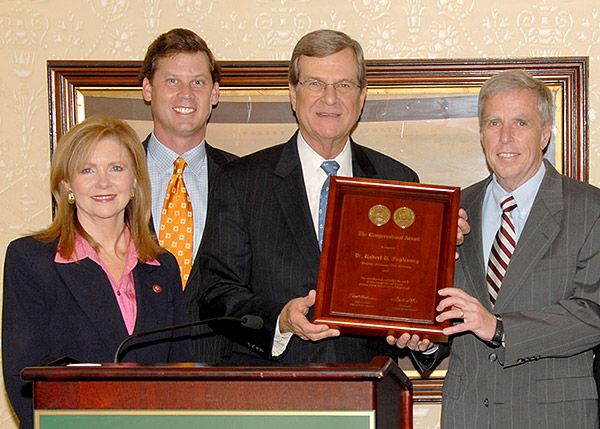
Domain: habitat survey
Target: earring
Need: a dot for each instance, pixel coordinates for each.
(71, 197)
(132, 194)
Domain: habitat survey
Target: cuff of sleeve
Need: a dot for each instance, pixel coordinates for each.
(280, 341)
(431, 350)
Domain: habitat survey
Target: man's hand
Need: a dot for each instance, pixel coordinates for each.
(460, 305)
(413, 342)
(293, 319)
(463, 228)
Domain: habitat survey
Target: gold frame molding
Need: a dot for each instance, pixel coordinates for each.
(567, 75)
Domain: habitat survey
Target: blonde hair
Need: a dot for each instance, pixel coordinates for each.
(72, 151)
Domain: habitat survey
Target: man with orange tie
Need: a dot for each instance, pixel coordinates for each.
(180, 80)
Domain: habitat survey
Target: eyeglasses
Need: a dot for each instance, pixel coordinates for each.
(316, 86)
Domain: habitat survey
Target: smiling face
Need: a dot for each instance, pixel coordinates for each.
(102, 185)
(513, 136)
(181, 96)
(326, 119)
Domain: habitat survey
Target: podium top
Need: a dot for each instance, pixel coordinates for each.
(378, 368)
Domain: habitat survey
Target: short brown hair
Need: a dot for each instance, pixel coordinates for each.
(72, 151)
(177, 40)
(322, 43)
(515, 80)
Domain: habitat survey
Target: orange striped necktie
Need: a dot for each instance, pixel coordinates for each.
(177, 221)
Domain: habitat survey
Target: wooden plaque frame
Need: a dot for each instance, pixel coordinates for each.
(388, 247)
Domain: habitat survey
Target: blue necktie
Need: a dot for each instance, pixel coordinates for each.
(330, 167)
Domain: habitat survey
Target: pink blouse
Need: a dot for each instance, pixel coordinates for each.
(124, 289)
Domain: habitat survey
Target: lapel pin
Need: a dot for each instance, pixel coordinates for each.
(157, 289)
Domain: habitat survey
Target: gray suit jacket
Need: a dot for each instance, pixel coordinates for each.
(549, 301)
(260, 251)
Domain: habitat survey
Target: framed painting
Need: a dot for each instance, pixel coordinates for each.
(421, 112)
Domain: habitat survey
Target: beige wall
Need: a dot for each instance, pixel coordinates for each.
(33, 31)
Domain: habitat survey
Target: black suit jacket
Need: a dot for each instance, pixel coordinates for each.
(208, 346)
(260, 251)
(52, 310)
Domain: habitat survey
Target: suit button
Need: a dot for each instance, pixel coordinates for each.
(492, 357)
(486, 403)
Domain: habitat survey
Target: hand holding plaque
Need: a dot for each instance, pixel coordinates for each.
(388, 248)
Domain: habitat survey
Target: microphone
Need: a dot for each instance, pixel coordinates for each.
(249, 321)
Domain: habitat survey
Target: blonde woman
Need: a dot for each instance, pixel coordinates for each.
(96, 274)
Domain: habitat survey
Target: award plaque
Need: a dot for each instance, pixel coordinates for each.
(388, 247)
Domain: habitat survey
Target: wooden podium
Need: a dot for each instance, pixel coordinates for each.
(373, 395)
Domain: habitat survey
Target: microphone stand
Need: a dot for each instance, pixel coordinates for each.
(249, 321)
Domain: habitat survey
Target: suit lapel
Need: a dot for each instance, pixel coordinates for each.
(145, 144)
(150, 300)
(94, 295)
(541, 228)
(290, 193)
(471, 251)
(361, 165)
(213, 158)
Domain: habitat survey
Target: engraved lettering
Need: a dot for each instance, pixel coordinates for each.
(359, 300)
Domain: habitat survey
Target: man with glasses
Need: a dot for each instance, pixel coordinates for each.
(260, 254)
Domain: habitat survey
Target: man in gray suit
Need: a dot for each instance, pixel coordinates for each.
(527, 316)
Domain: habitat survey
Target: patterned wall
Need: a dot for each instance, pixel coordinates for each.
(33, 31)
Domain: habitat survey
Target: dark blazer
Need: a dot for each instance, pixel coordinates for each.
(208, 346)
(550, 304)
(260, 251)
(52, 310)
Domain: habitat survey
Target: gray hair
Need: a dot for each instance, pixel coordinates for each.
(322, 43)
(515, 80)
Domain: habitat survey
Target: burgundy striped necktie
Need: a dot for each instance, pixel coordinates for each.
(502, 249)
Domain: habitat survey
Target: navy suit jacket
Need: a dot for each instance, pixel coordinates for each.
(208, 346)
(260, 251)
(53, 310)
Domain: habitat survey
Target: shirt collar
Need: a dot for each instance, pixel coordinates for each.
(311, 160)
(83, 250)
(164, 157)
(524, 195)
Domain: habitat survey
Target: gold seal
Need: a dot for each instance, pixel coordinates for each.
(404, 217)
(379, 214)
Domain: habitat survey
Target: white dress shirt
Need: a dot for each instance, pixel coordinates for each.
(314, 178)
